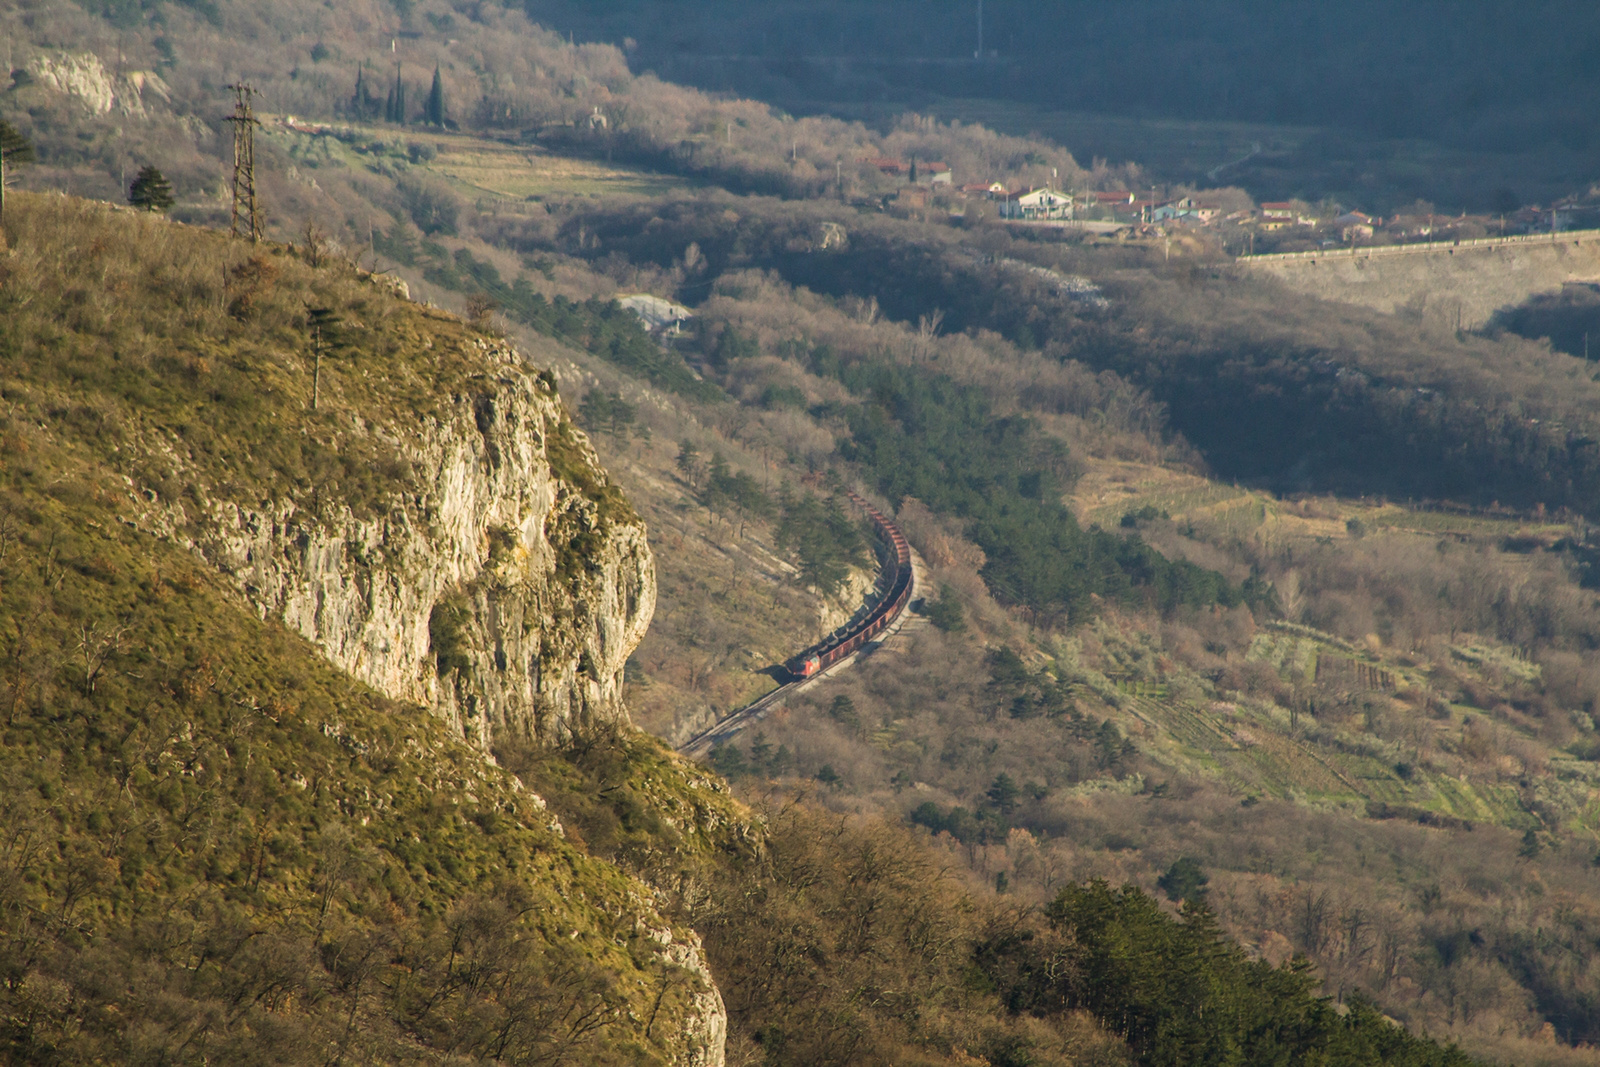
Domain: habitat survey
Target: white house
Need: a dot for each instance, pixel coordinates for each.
(1039, 204)
(657, 312)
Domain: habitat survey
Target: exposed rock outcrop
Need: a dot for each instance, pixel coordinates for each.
(81, 74)
(506, 593)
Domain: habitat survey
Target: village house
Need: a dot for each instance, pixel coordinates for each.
(1277, 215)
(1038, 204)
(1354, 226)
(1574, 213)
(938, 173)
(1531, 219)
(891, 167)
(1185, 209)
(989, 190)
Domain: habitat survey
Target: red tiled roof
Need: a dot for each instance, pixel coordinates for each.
(885, 164)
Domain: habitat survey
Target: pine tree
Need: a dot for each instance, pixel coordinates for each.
(150, 191)
(435, 106)
(14, 149)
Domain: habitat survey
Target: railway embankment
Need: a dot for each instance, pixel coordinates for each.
(1454, 284)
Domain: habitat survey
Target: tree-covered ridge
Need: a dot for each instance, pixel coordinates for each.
(1185, 996)
(925, 436)
(1275, 388)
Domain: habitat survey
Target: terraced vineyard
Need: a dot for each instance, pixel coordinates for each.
(474, 167)
(1258, 748)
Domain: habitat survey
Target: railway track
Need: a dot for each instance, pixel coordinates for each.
(895, 589)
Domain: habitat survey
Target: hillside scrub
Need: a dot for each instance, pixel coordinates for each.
(835, 940)
(1079, 718)
(212, 831)
(136, 332)
(1102, 735)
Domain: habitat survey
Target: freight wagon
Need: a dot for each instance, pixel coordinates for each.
(894, 585)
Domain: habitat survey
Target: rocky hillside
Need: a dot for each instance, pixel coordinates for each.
(280, 554)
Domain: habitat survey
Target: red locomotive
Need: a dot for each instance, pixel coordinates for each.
(894, 582)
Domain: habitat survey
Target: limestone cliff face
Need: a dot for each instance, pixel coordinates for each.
(506, 592)
(83, 75)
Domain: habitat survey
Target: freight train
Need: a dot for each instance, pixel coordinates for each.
(894, 585)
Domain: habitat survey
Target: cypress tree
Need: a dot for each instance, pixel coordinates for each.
(360, 99)
(150, 191)
(398, 95)
(14, 149)
(435, 107)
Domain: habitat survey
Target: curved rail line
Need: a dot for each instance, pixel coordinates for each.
(895, 586)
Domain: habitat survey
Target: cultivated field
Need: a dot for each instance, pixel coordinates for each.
(477, 167)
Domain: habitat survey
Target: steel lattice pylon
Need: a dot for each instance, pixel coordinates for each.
(244, 159)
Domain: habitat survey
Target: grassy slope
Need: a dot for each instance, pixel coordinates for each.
(208, 829)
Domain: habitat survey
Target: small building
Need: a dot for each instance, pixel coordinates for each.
(1038, 204)
(1354, 226)
(1278, 210)
(659, 314)
(988, 190)
(1108, 199)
